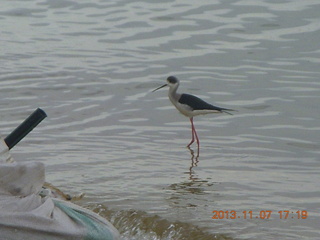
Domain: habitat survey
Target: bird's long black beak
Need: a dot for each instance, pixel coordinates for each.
(160, 87)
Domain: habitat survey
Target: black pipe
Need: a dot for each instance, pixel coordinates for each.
(24, 128)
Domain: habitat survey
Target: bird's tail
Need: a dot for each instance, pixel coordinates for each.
(226, 110)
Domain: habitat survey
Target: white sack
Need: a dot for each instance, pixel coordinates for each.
(25, 215)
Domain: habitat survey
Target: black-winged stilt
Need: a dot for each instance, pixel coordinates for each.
(190, 105)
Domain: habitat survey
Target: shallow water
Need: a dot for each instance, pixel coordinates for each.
(92, 66)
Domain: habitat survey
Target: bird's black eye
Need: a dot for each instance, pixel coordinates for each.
(172, 80)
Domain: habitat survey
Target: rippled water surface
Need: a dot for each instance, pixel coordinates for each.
(91, 65)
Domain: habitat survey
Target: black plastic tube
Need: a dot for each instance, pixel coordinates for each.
(24, 128)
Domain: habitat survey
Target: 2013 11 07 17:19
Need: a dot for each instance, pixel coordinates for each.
(263, 214)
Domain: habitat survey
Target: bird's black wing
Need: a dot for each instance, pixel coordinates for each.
(198, 104)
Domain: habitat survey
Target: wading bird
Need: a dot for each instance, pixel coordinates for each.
(190, 105)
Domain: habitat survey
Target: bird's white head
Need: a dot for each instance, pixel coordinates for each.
(172, 83)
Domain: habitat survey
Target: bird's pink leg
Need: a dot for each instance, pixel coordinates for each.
(195, 133)
(192, 129)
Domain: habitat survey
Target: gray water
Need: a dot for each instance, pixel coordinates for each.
(91, 65)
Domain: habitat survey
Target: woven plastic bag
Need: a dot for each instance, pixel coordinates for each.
(27, 214)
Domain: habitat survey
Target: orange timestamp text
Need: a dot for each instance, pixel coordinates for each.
(263, 214)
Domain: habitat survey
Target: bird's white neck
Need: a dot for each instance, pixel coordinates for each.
(173, 95)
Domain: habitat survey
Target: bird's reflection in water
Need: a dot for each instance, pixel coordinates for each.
(194, 163)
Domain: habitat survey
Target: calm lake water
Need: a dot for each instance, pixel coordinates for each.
(91, 65)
